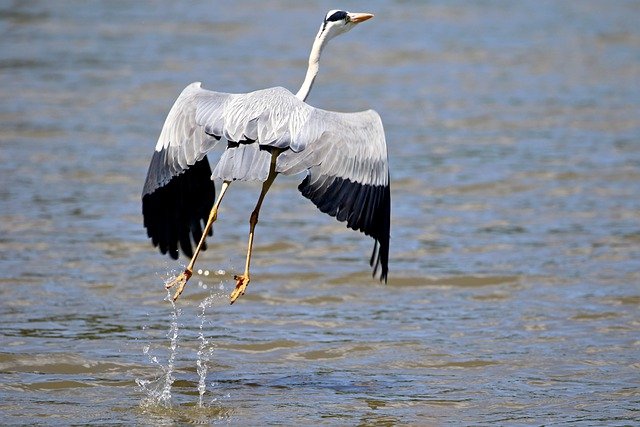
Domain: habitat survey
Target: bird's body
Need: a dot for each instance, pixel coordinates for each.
(267, 132)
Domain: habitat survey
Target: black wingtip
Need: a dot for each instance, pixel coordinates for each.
(380, 260)
(366, 208)
(175, 211)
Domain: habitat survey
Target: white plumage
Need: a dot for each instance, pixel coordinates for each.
(348, 145)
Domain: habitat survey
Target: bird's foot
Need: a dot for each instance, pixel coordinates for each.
(181, 281)
(241, 285)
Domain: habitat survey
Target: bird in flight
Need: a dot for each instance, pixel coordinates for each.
(267, 132)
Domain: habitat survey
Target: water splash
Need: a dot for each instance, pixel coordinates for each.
(204, 351)
(165, 397)
(158, 391)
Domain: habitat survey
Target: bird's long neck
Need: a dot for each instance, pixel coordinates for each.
(314, 60)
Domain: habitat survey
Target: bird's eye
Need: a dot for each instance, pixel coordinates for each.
(337, 16)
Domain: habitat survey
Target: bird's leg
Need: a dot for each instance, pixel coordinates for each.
(243, 280)
(181, 280)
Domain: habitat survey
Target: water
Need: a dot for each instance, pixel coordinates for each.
(514, 141)
(205, 350)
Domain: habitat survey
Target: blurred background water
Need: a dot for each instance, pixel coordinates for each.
(514, 141)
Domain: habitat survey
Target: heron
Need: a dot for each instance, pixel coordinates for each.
(267, 132)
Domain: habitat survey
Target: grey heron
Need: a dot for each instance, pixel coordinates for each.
(267, 132)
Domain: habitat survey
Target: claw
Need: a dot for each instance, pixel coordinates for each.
(241, 285)
(181, 281)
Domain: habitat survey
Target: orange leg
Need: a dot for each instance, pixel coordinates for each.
(181, 280)
(243, 280)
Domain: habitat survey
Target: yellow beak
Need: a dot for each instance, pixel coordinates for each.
(359, 17)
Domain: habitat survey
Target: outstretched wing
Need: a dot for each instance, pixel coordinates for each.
(178, 192)
(345, 154)
(348, 174)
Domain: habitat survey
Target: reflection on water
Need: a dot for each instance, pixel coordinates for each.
(514, 143)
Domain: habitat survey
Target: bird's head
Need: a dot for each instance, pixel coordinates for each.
(335, 23)
(340, 21)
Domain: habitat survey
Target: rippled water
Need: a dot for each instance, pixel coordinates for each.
(514, 140)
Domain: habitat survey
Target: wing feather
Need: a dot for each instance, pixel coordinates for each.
(348, 174)
(345, 155)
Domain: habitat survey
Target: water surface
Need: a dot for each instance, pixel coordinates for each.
(514, 142)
